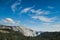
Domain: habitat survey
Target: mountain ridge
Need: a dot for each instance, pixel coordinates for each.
(23, 30)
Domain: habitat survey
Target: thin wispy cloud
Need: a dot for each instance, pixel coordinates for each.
(40, 11)
(25, 10)
(9, 21)
(43, 18)
(50, 7)
(37, 12)
(14, 6)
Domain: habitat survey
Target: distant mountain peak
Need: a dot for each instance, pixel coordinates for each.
(23, 30)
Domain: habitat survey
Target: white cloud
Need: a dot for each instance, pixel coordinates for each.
(50, 7)
(39, 11)
(13, 7)
(43, 18)
(26, 10)
(9, 20)
(46, 12)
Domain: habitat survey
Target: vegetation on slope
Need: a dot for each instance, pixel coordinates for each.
(9, 34)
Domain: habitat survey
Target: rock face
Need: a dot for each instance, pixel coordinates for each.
(26, 31)
(23, 30)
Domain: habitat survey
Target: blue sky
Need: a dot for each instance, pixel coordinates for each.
(41, 15)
